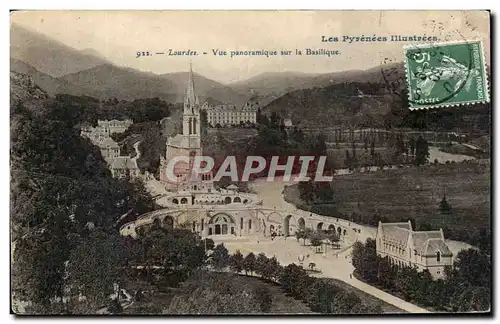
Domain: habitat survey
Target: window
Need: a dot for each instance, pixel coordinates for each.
(438, 256)
(438, 271)
(249, 224)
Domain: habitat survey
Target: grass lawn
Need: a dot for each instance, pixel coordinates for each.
(366, 298)
(415, 193)
(154, 301)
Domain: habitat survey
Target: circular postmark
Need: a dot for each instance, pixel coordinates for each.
(431, 73)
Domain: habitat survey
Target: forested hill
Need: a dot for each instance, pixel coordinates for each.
(333, 105)
(358, 105)
(61, 189)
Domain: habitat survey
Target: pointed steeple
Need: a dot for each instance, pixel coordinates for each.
(191, 97)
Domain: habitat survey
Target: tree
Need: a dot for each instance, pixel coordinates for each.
(473, 267)
(306, 191)
(421, 151)
(444, 206)
(323, 191)
(236, 262)
(94, 266)
(333, 237)
(56, 197)
(348, 162)
(320, 148)
(307, 234)
(209, 244)
(220, 257)
(303, 234)
(294, 280)
(249, 263)
(261, 265)
(264, 298)
(316, 240)
(412, 146)
(272, 269)
(258, 116)
(365, 260)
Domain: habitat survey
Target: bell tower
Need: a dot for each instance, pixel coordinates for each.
(191, 116)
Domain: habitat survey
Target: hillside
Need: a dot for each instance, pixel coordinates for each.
(273, 83)
(24, 88)
(109, 81)
(206, 89)
(276, 84)
(333, 105)
(48, 55)
(48, 83)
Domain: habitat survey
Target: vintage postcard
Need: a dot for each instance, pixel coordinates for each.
(250, 162)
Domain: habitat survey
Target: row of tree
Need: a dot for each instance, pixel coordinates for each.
(139, 110)
(317, 238)
(321, 295)
(466, 286)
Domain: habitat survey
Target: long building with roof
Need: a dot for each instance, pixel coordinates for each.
(231, 114)
(404, 247)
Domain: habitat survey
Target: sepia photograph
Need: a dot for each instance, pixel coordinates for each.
(207, 162)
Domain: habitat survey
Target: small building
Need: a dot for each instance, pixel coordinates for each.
(404, 247)
(124, 166)
(110, 150)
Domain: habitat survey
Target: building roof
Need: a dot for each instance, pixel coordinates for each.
(114, 122)
(108, 142)
(421, 237)
(184, 141)
(426, 242)
(124, 162)
(435, 245)
(396, 231)
(232, 108)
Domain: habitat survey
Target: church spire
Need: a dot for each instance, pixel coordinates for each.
(190, 93)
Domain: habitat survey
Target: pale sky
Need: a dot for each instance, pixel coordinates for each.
(118, 35)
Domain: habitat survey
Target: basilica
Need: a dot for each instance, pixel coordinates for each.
(188, 143)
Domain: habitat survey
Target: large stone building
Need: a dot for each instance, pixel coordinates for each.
(114, 126)
(105, 128)
(187, 144)
(425, 250)
(231, 114)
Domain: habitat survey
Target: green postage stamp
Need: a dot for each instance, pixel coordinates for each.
(446, 74)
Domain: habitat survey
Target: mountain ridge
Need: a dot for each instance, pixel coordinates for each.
(47, 54)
